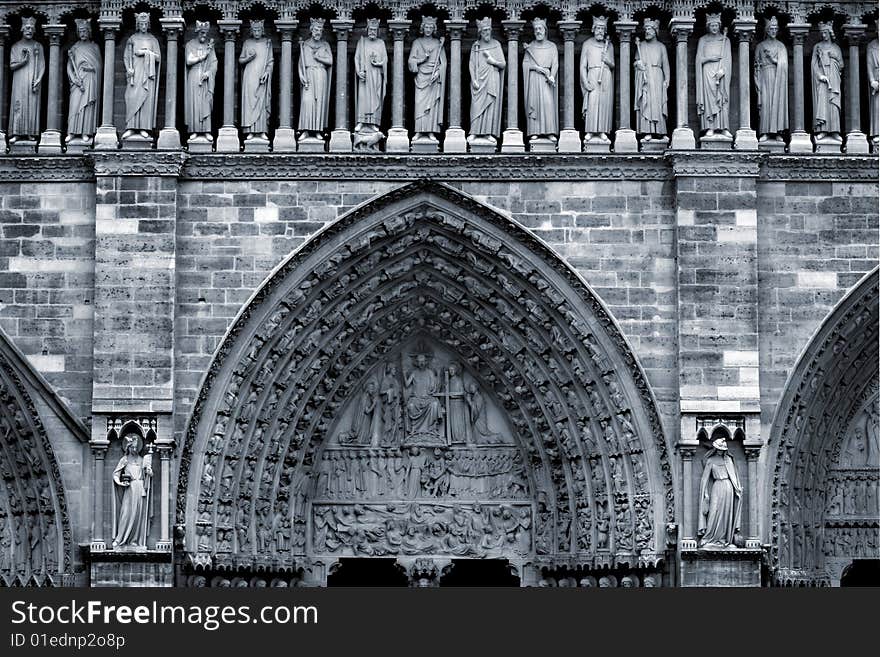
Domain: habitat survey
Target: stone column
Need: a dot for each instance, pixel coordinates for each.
(856, 141)
(169, 137)
(4, 32)
(752, 455)
(455, 140)
(800, 138)
(227, 137)
(682, 136)
(285, 137)
(50, 140)
(689, 529)
(398, 136)
(512, 140)
(625, 137)
(340, 138)
(164, 449)
(569, 137)
(106, 137)
(746, 138)
(99, 451)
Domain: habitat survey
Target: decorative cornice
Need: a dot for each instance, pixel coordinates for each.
(820, 167)
(34, 168)
(133, 163)
(714, 163)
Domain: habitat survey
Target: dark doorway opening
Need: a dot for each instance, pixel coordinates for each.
(862, 572)
(479, 572)
(367, 572)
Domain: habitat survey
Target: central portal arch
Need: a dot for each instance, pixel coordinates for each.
(424, 379)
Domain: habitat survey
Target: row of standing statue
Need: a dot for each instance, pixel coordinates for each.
(428, 64)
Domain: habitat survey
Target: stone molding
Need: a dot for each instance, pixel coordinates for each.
(137, 163)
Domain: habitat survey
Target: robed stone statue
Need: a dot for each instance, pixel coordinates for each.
(315, 61)
(371, 79)
(597, 82)
(827, 69)
(540, 67)
(201, 73)
(714, 65)
(28, 63)
(256, 83)
(84, 76)
(142, 60)
(486, 65)
(131, 481)
(427, 61)
(873, 66)
(771, 83)
(651, 82)
(424, 413)
(720, 498)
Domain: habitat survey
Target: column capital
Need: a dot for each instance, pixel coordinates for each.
(625, 29)
(512, 28)
(799, 31)
(54, 32)
(745, 28)
(455, 28)
(681, 28)
(341, 27)
(109, 26)
(569, 29)
(172, 27)
(229, 28)
(287, 28)
(99, 447)
(4, 31)
(399, 29)
(854, 32)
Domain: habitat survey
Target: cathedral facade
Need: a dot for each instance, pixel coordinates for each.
(535, 294)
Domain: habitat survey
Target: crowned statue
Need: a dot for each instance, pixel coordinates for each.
(142, 59)
(84, 76)
(597, 82)
(28, 63)
(315, 63)
(201, 73)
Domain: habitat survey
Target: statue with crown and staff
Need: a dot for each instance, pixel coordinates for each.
(84, 75)
(651, 83)
(827, 69)
(714, 66)
(371, 79)
(201, 74)
(540, 67)
(486, 65)
(28, 63)
(597, 84)
(142, 60)
(132, 499)
(427, 62)
(872, 57)
(771, 83)
(315, 62)
(258, 61)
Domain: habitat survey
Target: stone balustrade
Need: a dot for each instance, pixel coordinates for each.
(340, 77)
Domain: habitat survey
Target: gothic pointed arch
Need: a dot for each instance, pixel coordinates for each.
(503, 361)
(824, 447)
(36, 546)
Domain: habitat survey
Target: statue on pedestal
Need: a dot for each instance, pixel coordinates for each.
(873, 65)
(84, 76)
(720, 498)
(540, 90)
(714, 67)
(486, 65)
(651, 82)
(28, 63)
(142, 59)
(771, 83)
(371, 77)
(315, 62)
(827, 68)
(201, 73)
(427, 61)
(131, 481)
(597, 82)
(256, 83)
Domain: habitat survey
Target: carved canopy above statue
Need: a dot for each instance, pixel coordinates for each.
(35, 539)
(824, 442)
(425, 377)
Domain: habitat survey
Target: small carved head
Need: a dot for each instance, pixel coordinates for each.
(650, 582)
(539, 26)
(316, 27)
(142, 21)
(650, 25)
(429, 25)
(827, 31)
(202, 28)
(713, 23)
(83, 28)
(720, 444)
(771, 26)
(600, 27)
(28, 27)
(484, 28)
(373, 27)
(131, 443)
(257, 29)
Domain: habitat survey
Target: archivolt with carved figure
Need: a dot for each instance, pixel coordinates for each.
(409, 383)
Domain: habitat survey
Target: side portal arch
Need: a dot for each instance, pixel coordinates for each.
(425, 377)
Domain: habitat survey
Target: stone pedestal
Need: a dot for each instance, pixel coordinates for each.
(828, 146)
(569, 141)
(683, 139)
(512, 142)
(423, 146)
(199, 145)
(137, 143)
(716, 143)
(106, 139)
(147, 568)
(227, 140)
(482, 145)
(256, 145)
(856, 142)
(169, 139)
(772, 146)
(284, 142)
(23, 147)
(311, 145)
(800, 143)
(541, 145)
(78, 146)
(598, 146)
(398, 141)
(723, 568)
(455, 141)
(655, 145)
(625, 141)
(746, 140)
(340, 141)
(50, 143)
